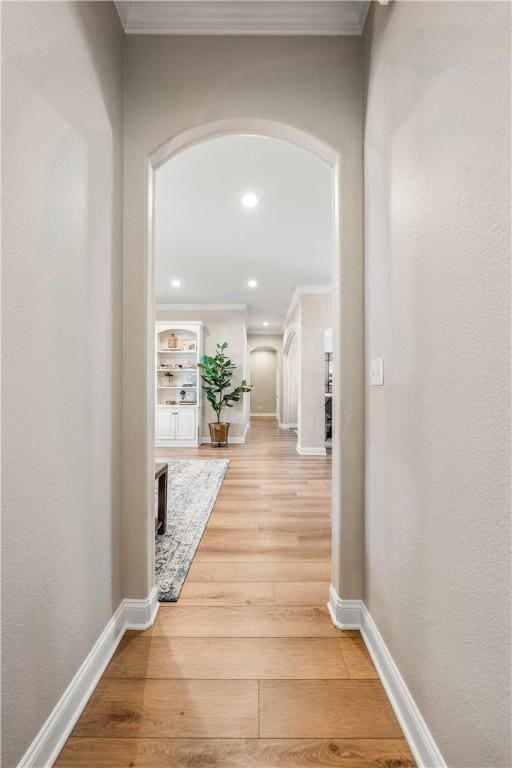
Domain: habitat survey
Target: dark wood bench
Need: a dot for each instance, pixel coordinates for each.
(161, 476)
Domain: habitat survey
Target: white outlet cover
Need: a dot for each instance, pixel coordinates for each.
(377, 372)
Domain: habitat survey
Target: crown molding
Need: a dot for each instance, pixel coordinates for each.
(302, 290)
(243, 17)
(200, 307)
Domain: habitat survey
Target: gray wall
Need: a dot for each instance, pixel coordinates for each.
(437, 309)
(61, 154)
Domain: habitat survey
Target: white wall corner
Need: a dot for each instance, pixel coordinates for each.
(45, 748)
(353, 614)
(318, 450)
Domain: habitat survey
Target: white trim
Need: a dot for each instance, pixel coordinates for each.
(318, 450)
(141, 614)
(353, 614)
(200, 307)
(345, 614)
(299, 17)
(283, 426)
(45, 748)
(293, 426)
(263, 414)
(302, 290)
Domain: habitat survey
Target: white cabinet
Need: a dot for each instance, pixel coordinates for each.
(176, 426)
(164, 426)
(185, 424)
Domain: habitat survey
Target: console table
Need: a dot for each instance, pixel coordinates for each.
(161, 476)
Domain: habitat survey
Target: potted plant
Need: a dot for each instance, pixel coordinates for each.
(216, 373)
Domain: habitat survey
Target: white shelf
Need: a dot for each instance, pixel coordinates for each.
(173, 425)
(185, 388)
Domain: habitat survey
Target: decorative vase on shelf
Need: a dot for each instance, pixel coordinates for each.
(182, 394)
(172, 341)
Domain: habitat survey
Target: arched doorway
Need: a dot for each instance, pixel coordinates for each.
(346, 559)
(264, 377)
(291, 410)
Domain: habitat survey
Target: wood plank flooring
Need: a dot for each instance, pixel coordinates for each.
(246, 670)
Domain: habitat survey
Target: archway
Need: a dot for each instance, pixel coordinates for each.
(346, 565)
(264, 376)
(290, 389)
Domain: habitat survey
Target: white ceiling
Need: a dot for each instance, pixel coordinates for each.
(204, 236)
(245, 17)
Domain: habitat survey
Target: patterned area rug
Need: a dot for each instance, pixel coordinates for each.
(192, 489)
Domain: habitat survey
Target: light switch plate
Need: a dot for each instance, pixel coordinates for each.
(377, 372)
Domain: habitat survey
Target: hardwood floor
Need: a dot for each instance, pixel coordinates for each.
(247, 670)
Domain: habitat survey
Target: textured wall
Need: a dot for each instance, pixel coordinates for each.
(176, 84)
(61, 155)
(437, 309)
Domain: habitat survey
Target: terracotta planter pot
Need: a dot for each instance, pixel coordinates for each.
(219, 433)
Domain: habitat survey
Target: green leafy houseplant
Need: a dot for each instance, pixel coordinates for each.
(216, 373)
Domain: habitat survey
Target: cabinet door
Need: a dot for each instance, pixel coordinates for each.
(164, 426)
(186, 424)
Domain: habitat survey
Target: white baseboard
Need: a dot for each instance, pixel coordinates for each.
(282, 425)
(255, 415)
(45, 748)
(293, 426)
(353, 614)
(318, 450)
(345, 614)
(141, 614)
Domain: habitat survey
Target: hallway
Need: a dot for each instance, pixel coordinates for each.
(247, 668)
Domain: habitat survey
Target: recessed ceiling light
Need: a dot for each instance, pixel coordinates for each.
(265, 323)
(252, 284)
(176, 283)
(249, 200)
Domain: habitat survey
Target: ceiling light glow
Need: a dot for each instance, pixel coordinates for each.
(175, 283)
(265, 323)
(252, 284)
(249, 200)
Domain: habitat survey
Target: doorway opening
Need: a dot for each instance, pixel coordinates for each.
(264, 378)
(278, 373)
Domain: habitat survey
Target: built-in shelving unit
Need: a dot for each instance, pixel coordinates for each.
(178, 349)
